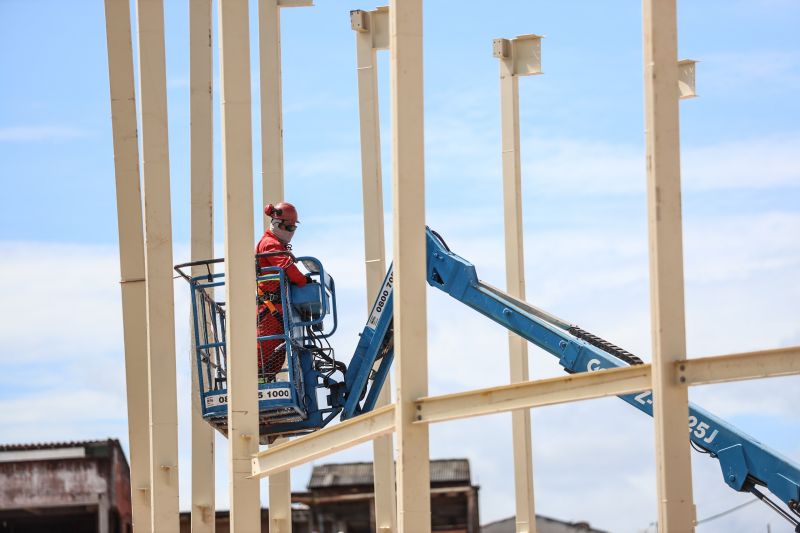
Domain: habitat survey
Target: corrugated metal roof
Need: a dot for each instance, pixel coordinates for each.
(544, 524)
(54, 445)
(68, 450)
(346, 474)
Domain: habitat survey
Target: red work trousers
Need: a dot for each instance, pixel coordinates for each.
(270, 357)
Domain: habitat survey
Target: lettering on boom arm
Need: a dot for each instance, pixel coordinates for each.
(380, 304)
(697, 427)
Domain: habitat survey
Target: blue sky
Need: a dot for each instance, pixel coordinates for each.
(584, 205)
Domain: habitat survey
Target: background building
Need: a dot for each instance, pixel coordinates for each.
(340, 498)
(80, 487)
(84, 487)
(543, 525)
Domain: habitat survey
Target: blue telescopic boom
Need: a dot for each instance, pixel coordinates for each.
(745, 462)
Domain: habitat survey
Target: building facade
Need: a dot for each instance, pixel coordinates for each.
(81, 487)
(340, 498)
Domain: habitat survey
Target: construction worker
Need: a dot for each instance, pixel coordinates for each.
(275, 242)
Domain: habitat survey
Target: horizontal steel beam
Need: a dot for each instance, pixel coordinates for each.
(529, 394)
(295, 3)
(524, 395)
(324, 442)
(739, 366)
(449, 407)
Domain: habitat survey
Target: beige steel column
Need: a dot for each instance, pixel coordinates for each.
(676, 510)
(269, 24)
(518, 57)
(372, 34)
(280, 499)
(272, 191)
(240, 276)
(131, 252)
(202, 244)
(410, 312)
(158, 265)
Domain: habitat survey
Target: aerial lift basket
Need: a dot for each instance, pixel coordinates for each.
(302, 363)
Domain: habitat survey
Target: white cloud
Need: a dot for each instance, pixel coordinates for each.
(63, 301)
(589, 167)
(582, 166)
(748, 164)
(40, 133)
(71, 408)
(750, 71)
(335, 164)
(588, 452)
(735, 247)
(316, 103)
(774, 397)
(464, 147)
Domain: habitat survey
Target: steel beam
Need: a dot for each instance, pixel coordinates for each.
(434, 409)
(525, 395)
(272, 185)
(237, 158)
(324, 442)
(510, 54)
(372, 30)
(269, 33)
(272, 189)
(372, 189)
(410, 311)
(280, 498)
(202, 244)
(687, 69)
(131, 252)
(676, 511)
(738, 366)
(158, 266)
(269, 24)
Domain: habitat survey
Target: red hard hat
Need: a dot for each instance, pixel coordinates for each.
(282, 211)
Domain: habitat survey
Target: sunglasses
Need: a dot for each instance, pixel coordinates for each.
(287, 227)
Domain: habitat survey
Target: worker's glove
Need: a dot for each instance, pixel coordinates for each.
(309, 279)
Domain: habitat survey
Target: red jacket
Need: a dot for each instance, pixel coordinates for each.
(270, 243)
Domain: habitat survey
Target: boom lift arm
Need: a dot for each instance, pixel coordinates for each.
(294, 401)
(746, 463)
